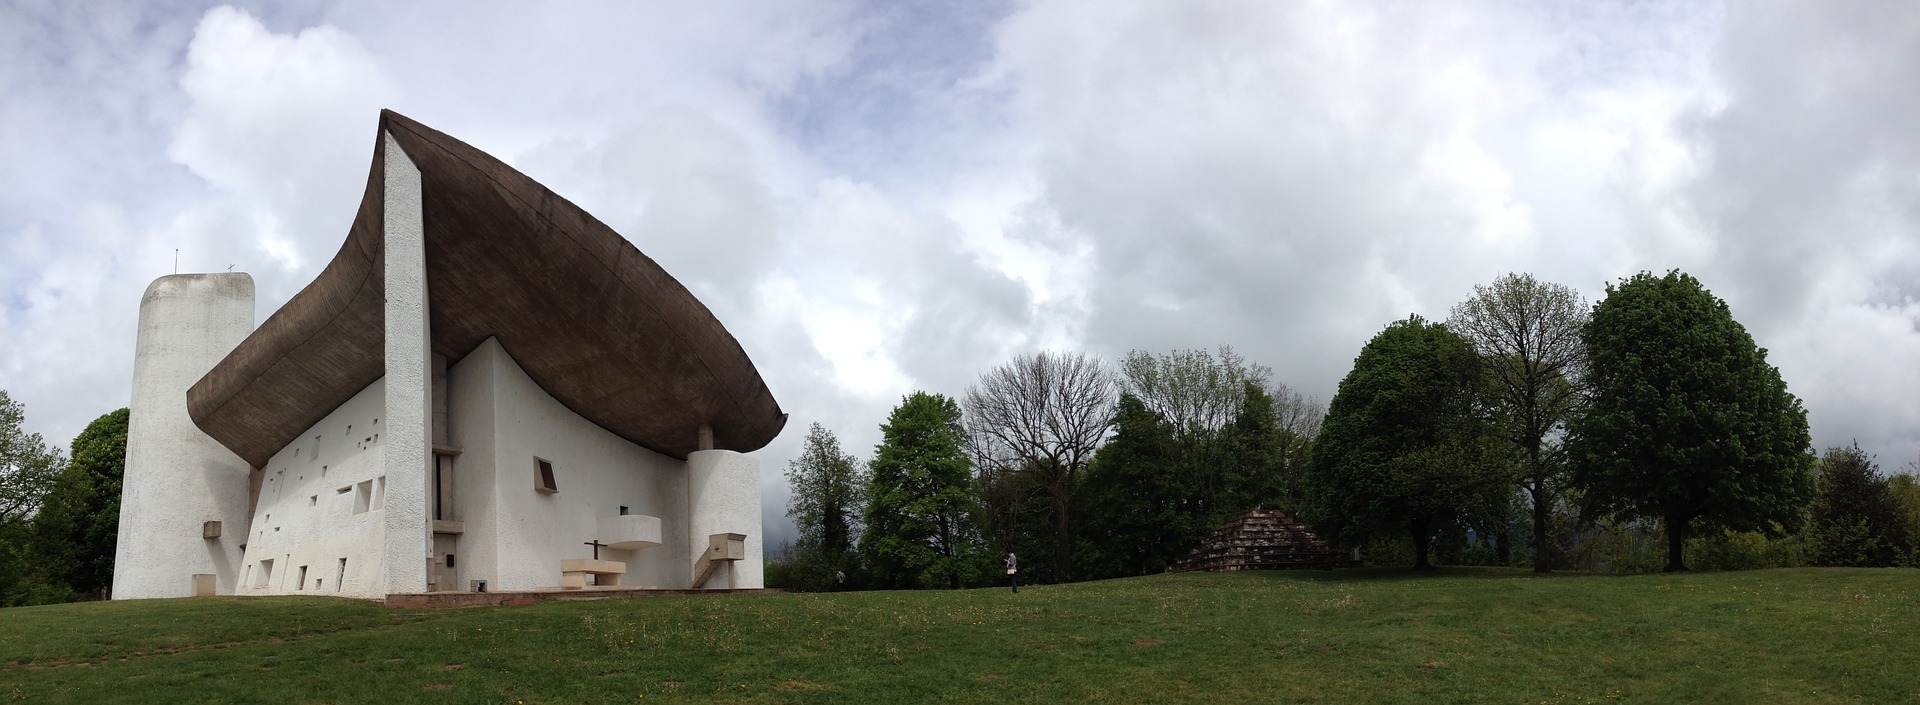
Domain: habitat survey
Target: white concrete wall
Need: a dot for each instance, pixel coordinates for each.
(409, 396)
(470, 427)
(177, 477)
(516, 536)
(723, 496)
(307, 516)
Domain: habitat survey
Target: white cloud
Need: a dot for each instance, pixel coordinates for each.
(881, 197)
(281, 124)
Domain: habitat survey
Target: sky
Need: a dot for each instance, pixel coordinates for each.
(882, 197)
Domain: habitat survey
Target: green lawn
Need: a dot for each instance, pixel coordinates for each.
(1469, 636)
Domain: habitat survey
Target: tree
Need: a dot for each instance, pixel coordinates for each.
(1406, 444)
(829, 493)
(1528, 335)
(79, 523)
(920, 514)
(1685, 421)
(1856, 520)
(28, 470)
(1192, 389)
(1237, 445)
(1905, 488)
(1044, 415)
(1134, 498)
(27, 467)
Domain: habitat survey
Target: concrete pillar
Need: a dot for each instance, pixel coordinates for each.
(409, 397)
(178, 478)
(723, 496)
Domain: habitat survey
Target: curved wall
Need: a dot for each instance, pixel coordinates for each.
(723, 496)
(178, 478)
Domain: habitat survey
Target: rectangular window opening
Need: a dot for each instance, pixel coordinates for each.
(543, 481)
(363, 496)
(315, 455)
(443, 488)
(301, 584)
(266, 573)
(340, 578)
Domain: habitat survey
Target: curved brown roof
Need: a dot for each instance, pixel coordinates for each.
(593, 321)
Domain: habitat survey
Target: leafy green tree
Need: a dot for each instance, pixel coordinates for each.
(921, 515)
(1198, 394)
(1686, 422)
(1857, 520)
(1528, 335)
(829, 494)
(1135, 500)
(1239, 439)
(28, 470)
(1905, 488)
(1262, 458)
(1406, 444)
(79, 523)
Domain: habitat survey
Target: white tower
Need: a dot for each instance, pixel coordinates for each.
(177, 478)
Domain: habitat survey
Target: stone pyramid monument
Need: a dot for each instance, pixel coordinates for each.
(1262, 539)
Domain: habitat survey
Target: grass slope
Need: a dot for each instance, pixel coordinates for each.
(1783, 636)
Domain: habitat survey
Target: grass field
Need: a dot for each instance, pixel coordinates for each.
(1783, 636)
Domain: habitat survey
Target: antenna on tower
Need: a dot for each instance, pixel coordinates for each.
(176, 260)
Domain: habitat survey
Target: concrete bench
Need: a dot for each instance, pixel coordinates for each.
(574, 572)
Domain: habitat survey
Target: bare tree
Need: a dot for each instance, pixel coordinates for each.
(1044, 414)
(1528, 333)
(1299, 414)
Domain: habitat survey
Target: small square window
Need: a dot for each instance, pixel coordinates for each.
(543, 477)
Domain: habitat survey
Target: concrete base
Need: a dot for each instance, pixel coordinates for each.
(574, 572)
(527, 597)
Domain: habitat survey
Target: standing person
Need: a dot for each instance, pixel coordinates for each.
(1013, 571)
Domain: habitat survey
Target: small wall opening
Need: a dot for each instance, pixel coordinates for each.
(543, 481)
(301, 584)
(363, 497)
(340, 577)
(266, 573)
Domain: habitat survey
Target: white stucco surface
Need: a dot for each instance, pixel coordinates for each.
(515, 536)
(321, 503)
(723, 496)
(177, 478)
(409, 398)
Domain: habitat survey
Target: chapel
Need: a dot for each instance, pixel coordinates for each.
(486, 389)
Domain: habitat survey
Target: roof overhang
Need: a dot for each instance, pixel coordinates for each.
(594, 322)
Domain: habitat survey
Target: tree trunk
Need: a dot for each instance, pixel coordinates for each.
(1062, 539)
(1421, 539)
(1542, 552)
(1676, 540)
